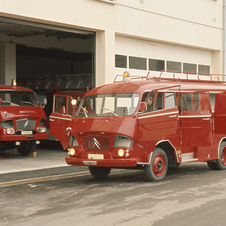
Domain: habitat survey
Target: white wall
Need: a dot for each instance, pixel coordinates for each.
(192, 29)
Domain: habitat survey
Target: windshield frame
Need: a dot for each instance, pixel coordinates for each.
(119, 107)
(19, 98)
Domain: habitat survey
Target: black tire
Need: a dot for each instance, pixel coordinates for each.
(212, 165)
(157, 169)
(99, 172)
(27, 147)
(221, 161)
(175, 166)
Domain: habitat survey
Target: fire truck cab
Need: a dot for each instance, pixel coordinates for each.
(150, 123)
(22, 119)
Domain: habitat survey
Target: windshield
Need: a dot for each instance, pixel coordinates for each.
(18, 98)
(113, 104)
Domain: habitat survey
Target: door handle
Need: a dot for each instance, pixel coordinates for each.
(52, 120)
(206, 119)
(172, 116)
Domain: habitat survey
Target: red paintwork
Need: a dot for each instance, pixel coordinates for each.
(20, 112)
(59, 122)
(190, 134)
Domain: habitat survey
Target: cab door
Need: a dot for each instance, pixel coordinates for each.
(61, 118)
(161, 123)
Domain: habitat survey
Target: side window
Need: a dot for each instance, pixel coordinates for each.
(212, 101)
(159, 102)
(170, 101)
(186, 102)
(148, 98)
(60, 104)
(195, 101)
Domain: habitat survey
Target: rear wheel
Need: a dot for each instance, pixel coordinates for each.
(221, 161)
(157, 169)
(99, 172)
(27, 147)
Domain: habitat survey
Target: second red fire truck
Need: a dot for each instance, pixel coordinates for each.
(22, 119)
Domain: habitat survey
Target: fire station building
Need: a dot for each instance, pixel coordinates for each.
(80, 43)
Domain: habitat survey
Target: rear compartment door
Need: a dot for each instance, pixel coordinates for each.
(196, 120)
(220, 113)
(61, 118)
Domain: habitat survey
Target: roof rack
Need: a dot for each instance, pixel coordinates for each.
(132, 77)
(189, 77)
(169, 75)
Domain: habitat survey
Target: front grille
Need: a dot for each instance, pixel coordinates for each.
(25, 124)
(97, 143)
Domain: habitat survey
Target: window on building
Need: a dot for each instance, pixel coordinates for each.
(189, 68)
(204, 69)
(173, 66)
(156, 65)
(121, 61)
(137, 63)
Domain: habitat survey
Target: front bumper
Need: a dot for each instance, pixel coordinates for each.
(101, 162)
(23, 137)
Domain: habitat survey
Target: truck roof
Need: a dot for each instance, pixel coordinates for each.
(3, 87)
(141, 86)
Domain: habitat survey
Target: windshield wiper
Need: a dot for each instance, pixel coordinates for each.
(85, 112)
(110, 111)
(28, 102)
(11, 103)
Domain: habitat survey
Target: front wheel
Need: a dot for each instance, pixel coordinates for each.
(220, 163)
(157, 169)
(27, 147)
(99, 172)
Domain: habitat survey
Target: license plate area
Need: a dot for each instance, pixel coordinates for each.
(26, 132)
(95, 156)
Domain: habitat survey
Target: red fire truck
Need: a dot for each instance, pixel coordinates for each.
(151, 123)
(22, 119)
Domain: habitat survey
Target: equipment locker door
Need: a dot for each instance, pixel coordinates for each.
(220, 113)
(196, 120)
(61, 118)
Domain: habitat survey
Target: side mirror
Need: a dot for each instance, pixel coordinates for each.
(143, 106)
(0, 100)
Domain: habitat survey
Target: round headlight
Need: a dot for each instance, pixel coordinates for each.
(10, 130)
(71, 151)
(120, 152)
(42, 129)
